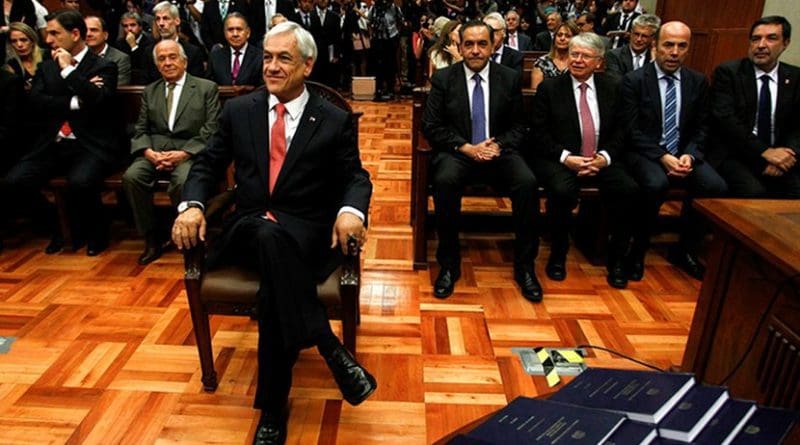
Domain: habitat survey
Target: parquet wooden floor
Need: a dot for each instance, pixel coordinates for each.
(104, 351)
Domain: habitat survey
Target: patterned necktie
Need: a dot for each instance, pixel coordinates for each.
(170, 97)
(588, 144)
(478, 112)
(671, 117)
(765, 112)
(236, 65)
(512, 40)
(277, 150)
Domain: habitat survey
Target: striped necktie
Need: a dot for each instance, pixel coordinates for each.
(671, 117)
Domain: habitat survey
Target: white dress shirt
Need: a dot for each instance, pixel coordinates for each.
(594, 109)
(74, 103)
(484, 73)
(773, 93)
(176, 96)
(637, 59)
(241, 56)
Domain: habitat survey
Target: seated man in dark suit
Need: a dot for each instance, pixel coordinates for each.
(503, 54)
(665, 105)
(579, 143)
(261, 14)
(178, 115)
(11, 96)
(635, 54)
(618, 26)
(515, 39)
(544, 40)
(167, 23)
(78, 131)
(755, 104)
(480, 137)
(238, 62)
(96, 40)
(133, 36)
(301, 191)
(212, 21)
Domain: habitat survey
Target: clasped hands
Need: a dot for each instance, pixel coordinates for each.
(780, 160)
(584, 165)
(166, 160)
(482, 152)
(678, 167)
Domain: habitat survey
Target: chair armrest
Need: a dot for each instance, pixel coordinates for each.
(351, 266)
(194, 259)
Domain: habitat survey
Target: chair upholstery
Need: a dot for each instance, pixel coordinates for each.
(231, 290)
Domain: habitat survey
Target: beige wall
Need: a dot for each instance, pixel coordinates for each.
(649, 5)
(790, 10)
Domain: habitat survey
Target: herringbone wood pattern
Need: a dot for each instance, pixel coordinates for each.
(105, 351)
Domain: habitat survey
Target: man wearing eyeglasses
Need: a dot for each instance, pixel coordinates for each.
(574, 119)
(636, 54)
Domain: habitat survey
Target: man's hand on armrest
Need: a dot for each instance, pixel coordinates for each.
(189, 226)
(348, 224)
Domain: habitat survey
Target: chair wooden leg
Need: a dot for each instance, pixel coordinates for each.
(63, 216)
(350, 316)
(202, 335)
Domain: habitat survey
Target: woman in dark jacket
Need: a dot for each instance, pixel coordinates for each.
(15, 11)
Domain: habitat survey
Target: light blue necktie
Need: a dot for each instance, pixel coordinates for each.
(671, 117)
(478, 113)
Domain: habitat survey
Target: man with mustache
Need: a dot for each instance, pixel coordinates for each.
(754, 107)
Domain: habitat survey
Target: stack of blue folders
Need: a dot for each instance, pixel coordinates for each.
(625, 407)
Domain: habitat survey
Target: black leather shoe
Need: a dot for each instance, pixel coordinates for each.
(445, 282)
(556, 270)
(56, 245)
(270, 431)
(616, 276)
(688, 263)
(151, 253)
(529, 285)
(96, 247)
(634, 268)
(355, 383)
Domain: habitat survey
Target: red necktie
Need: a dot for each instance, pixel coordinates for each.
(277, 150)
(66, 130)
(588, 144)
(236, 65)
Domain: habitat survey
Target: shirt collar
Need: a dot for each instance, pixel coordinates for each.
(633, 53)
(103, 51)
(79, 57)
(661, 74)
(773, 73)
(180, 82)
(295, 106)
(484, 73)
(241, 50)
(576, 83)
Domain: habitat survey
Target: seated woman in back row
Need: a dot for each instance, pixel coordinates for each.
(445, 52)
(26, 55)
(554, 63)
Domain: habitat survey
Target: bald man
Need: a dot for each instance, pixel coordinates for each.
(666, 106)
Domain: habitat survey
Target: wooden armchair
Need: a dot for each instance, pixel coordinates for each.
(232, 290)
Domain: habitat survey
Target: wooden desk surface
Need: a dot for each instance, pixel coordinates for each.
(770, 228)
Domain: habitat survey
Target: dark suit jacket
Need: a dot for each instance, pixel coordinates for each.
(446, 122)
(256, 18)
(219, 66)
(195, 118)
(326, 34)
(123, 46)
(613, 22)
(556, 123)
(523, 41)
(211, 23)
(143, 67)
(10, 105)
(543, 41)
(95, 123)
(641, 102)
(21, 11)
(512, 59)
(620, 62)
(321, 173)
(123, 62)
(734, 102)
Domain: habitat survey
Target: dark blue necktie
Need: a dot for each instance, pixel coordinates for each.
(671, 117)
(478, 113)
(765, 112)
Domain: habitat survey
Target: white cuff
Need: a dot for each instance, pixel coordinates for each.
(74, 103)
(605, 154)
(564, 154)
(67, 71)
(353, 210)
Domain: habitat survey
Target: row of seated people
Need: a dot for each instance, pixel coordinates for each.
(633, 138)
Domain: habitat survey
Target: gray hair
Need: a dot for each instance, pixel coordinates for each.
(304, 39)
(496, 16)
(166, 6)
(589, 40)
(132, 15)
(512, 11)
(181, 51)
(647, 20)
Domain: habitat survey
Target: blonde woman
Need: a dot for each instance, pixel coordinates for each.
(445, 51)
(554, 63)
(26, 54)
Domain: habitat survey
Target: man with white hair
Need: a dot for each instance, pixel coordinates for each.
(544, 40)
(571, 156)
(502, 54)
(301, 192)
(515, 39)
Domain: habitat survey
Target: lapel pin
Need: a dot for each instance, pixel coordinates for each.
(312, 119)
(786, 81)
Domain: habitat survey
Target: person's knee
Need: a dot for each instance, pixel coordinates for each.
(132, 179)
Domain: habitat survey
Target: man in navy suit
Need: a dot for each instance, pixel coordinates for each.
(502, 54)
(238, 62)
(77, 137)
(757, 151)
(579, 143)
(618, 26)
(665, 105)
(212, 23)
(516, 40)
(301, 191)
(473, 120)
(635, 54)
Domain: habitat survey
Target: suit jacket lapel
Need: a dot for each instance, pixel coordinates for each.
(249, 58)
(160, 101)
(784, 105)
(603, 101)
(747, 78)
(228, 66)
(494, 99)
(259, 134)
(572, 107)
(626, 51)
(312, 117)
(461, 84)
(187, 94)
(651, 87)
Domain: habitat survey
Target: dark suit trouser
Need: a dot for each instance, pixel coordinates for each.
(84, 173)
(291, 317)
(509, 173)
(562, 186)
(384, 52)
(703, 182)
(139, 182)
(744, 182)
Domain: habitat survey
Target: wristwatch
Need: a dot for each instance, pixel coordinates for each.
(186, 205)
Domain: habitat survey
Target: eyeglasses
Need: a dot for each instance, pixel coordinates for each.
(579, 56)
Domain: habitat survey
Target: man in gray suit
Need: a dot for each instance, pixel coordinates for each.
(636, 53)
(97, 41)
(178, 114)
